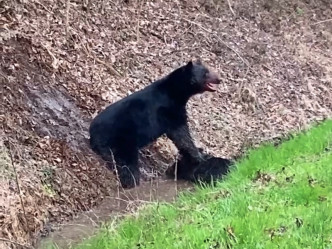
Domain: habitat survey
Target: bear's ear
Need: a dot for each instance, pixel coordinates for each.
(189, 65)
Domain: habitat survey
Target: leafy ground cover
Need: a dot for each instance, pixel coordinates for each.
(275, 197)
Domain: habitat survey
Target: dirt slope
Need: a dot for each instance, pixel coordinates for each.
(62, 61)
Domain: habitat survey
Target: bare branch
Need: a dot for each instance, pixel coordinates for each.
(17, 181)
(230, 7)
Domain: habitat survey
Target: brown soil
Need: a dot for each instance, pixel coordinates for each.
(62, 61)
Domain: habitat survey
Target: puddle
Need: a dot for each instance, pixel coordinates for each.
(87, 223)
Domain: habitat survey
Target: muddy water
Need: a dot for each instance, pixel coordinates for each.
(87, 223)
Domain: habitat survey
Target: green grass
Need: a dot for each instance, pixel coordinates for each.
(274, 198)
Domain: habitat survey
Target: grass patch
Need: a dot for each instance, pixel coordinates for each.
(273, 198)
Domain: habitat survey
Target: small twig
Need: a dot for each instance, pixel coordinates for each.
(43, 7)
(323, 21)
(91, 220)
(138, 20)
(176, 174)
(117, 176)
(15, 243)
(55, 61)
(134, 201)
(74, 225)
(152, 189)
(17, 182)
(102, 7)
(56, 245)
(229, 47)
(197, 24)
(230, 7)
(176, 169)
(224, 43)
(67, 19)
(109, 67)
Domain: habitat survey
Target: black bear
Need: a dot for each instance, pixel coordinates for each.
(119, 131)
(208, 171)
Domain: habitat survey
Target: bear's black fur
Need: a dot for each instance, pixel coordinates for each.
(119, 131)
(207, 171)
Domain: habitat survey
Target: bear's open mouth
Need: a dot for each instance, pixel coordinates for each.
(212, 87)
(211, 82)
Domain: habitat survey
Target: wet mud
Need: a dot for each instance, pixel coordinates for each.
(87, 223)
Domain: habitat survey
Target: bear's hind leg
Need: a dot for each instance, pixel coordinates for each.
(127, 167)
(125, 162)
